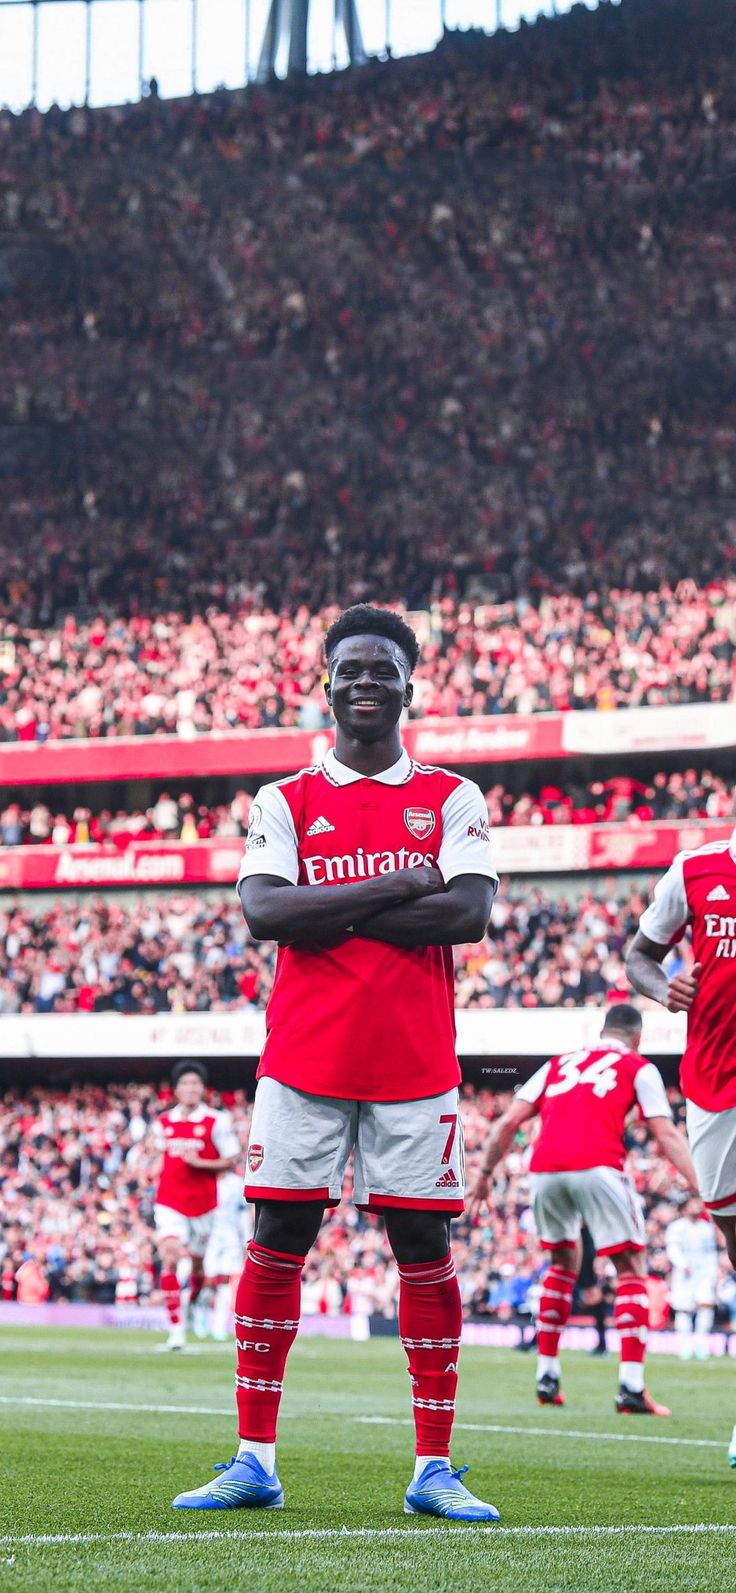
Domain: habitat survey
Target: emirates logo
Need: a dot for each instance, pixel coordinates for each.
(420, 821)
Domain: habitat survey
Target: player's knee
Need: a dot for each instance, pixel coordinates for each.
(291, 1228)
(630, 1261)
(418, 1235)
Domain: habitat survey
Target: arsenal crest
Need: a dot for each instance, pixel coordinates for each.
(421, 822)
(255, 1157)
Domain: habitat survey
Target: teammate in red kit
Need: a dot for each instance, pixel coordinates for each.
(366, 870)
(577, 1168)
(196, 1144)
(699, 892)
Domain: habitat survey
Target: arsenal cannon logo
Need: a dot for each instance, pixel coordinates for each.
(255, 1157)
(421, 822)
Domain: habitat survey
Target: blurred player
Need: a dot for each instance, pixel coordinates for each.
(196, 1144)
(577, 1176)
(366, 870)
(223, 1258)
(693, 1253)
(699, 891)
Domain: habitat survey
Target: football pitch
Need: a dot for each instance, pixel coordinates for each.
(99, 1432)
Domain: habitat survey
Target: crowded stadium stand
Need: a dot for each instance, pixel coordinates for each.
(462, 343)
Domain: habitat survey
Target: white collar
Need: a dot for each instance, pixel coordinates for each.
(339, 773)
(194, 1117)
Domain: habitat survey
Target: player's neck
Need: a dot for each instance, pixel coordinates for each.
(368, 757)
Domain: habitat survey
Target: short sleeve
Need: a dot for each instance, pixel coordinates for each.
(159, 1138)
(271, 845)
(666, 917)
(466, 839)
(535, 1087)
(650, 1092)
(224, 1137)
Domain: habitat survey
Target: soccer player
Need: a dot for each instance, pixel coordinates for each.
(196, 1144)
(699, 891)
(366, 870)
(223, 1258)
(693, 1252)
(577, 1176)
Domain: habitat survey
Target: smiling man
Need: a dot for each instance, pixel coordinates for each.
(366, 870)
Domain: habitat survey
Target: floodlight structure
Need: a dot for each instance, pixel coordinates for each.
(289, 20)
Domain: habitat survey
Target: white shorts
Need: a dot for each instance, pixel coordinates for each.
(601, 1197)
(407, 1153)
(192, 1232)
(688, 1290)
(712, 1140)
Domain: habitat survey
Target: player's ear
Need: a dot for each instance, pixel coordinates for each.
(408, 694)
(328, 691)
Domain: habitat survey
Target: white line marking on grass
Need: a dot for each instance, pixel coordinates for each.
(550, 1432)
(113, 1404)
(40, 1402)
(629, 1529)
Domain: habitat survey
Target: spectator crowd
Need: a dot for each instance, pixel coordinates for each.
(690, 794)
(79, 1176)
(223, 671)
(455, 326)
(179, 952)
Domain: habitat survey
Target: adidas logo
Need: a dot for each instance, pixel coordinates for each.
(320, 827)
(447, 1181)
(718, 894)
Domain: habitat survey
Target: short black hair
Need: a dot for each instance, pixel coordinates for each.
(363, 619)
(623, 1018)
(189, 1067)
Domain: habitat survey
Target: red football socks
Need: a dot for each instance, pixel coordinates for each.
(430, 1325)
(267, 1308)
(631, 1317)
(172, 1296)
(555, 1305)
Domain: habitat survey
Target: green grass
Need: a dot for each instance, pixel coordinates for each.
(70, 1469)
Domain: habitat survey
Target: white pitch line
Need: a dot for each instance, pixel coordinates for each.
(39, 1402)
(340, 1534)
(547, 1432)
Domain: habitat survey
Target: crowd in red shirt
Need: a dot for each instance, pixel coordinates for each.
(177, 952)
(250, 668)
(79, 1171)
(689, 794)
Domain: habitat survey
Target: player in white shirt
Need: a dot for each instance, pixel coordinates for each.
(223, 1258)
(693, 1252)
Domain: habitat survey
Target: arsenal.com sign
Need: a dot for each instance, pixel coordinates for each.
(552, 849)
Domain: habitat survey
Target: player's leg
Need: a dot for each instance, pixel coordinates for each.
(409, 1165)
(198, 1296)
(558, 1225)
(171, 1236)
(727, 1226)
(298, 1150)
(612, 1211)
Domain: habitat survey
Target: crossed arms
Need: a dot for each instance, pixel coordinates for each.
(409, 907)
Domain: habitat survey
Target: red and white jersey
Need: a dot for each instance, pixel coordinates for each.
(181, 1187)
(584, 1099)
(362, 1020)
(699, 890)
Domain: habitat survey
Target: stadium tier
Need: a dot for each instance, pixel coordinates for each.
(247, 670)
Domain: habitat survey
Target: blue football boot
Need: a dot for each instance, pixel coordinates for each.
(243, 1484)
(438, 1491)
